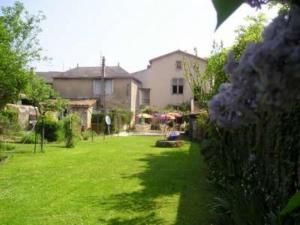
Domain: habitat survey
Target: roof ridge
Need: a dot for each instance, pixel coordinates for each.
(176, 51)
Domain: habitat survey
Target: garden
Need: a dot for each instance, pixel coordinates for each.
(119, 180)
(244, 167)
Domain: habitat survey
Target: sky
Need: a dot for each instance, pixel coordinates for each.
(128, 32)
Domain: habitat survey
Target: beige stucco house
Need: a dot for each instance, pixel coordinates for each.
(81, 83)
(164, 83)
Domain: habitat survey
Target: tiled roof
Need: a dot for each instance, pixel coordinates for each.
(177, 52)
(48, 76)
(82, 103)
(85, 72)
(82, 72)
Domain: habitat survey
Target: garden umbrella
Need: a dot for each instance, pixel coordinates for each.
(175, 114)
(145, 116)
(167, 117)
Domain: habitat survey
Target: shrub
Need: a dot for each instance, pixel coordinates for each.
(85, 135)
(29, 138)
(71, 130)
(51, 128)
(183, 107)
(9, 121)
(119, 118)
(6, 146)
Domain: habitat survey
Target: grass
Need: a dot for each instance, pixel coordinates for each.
(119, 181)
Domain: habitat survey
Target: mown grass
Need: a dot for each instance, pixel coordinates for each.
(119, 181)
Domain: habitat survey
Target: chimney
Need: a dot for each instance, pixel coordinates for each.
(103, 67)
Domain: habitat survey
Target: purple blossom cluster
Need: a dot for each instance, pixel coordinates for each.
(258, 3)
(266, 78)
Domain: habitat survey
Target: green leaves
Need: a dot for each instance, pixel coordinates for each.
(293, 204)
(225, 8)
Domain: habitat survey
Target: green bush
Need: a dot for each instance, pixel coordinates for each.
(51, 127)
(253, 168)
(71, 130)
(118, 117)
(29, 138)
(9, 121)
(183, 107)
(6, 146)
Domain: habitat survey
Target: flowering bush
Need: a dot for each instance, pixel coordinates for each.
(267, 76)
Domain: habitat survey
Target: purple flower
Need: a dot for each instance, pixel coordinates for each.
(267, 77)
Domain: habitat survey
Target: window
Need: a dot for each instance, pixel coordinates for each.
(108, 87)
(97, 87)
(178, 65)
(177, 86)
(145, 96)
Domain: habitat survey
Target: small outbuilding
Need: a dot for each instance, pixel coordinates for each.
(84, 108)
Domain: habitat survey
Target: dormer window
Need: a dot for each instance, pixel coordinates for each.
(178, 65)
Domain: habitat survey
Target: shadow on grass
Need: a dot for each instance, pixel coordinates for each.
(169, 173)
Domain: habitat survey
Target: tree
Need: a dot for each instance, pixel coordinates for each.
(19, 46)
(206, 84)
(42, 97)
(226, 8)
(245, 34)
(194, 76)
(38, 92)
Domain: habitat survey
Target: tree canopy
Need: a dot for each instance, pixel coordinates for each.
(19, 46)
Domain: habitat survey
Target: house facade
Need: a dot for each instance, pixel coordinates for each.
(164, 82)
(82, 83)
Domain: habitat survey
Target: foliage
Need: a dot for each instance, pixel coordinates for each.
(147, 109)
(118, 117)
(254, 164)
(293, 204)
(19, 46)
(252, 149)
(183, 107)
(207, 84)
(255, 83)
(193, 72)
(214, 72)
(226, 8)
(203, 119)
(51, 128)
(8, 121)
(71, 130)
(41, 95)
(29, 137)
(6, 146)
(38, 92)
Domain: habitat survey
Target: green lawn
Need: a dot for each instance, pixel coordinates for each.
(122, 180)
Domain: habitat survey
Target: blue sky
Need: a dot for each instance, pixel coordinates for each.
(129, 32)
